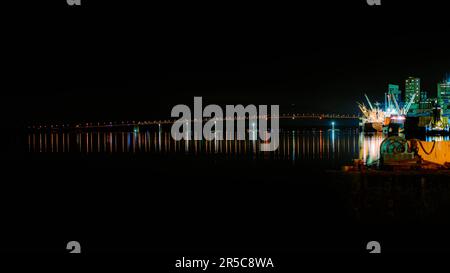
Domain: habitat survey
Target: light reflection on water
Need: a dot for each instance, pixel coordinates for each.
(295, 145)
(369, 145)
(437, 138)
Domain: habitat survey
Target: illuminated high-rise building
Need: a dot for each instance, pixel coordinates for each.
(443, 95)
(425, 103)
(412, 87)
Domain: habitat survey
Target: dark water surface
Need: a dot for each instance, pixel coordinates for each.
(141, 191)
(325, 148)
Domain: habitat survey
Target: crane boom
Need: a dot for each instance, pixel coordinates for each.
(397, 108)
(363, 109)
(408, 105)
(368, 101)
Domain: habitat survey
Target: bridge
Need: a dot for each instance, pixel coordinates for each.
(121, 124)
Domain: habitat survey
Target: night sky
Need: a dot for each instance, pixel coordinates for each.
(116, 60)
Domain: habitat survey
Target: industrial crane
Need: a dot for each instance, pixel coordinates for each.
(368, 101)
(405, 109)
(408, 105)
(371, 114)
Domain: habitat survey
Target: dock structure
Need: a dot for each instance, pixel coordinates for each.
(435, 152)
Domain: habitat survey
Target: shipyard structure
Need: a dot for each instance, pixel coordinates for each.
(412, 111)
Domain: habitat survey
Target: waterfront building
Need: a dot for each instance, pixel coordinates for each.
(394, 90)
(443, 95)
(425, 103)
